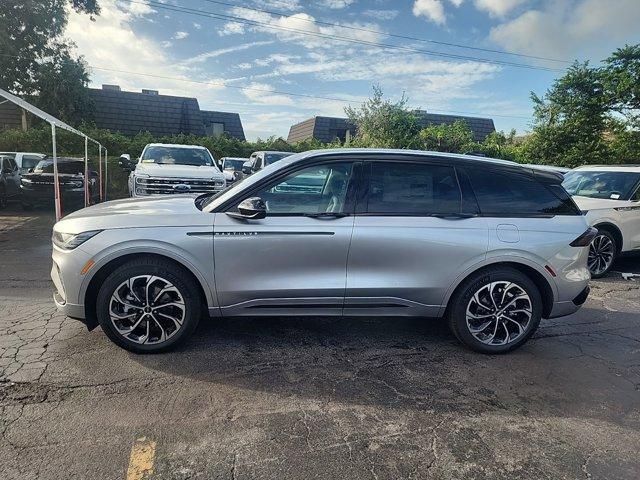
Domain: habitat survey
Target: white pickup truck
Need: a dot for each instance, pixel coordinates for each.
(169, 169)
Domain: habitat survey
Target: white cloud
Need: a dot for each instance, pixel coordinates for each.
(135, 9)
(244, 66)
(457, 3)
(289, 5)
(498, 8)
(197, 26)
(201, 58)
(231, 28)
(302, 29)
(571, 30)
(124, 49)
(432, 9)
(261, 93)
(381, 14)
(336, 4)
(180, 35)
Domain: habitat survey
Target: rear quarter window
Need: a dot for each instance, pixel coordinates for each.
(505, 194)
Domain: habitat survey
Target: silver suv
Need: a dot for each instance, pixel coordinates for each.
(488, 245)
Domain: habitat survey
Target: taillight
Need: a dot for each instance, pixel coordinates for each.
(584, 240)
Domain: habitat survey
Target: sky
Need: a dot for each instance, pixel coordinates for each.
(253, 53)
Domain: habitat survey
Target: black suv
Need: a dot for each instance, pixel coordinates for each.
(37, 185)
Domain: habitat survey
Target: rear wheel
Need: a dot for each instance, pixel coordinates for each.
(602, 253)
(496, 310)
(149, 305)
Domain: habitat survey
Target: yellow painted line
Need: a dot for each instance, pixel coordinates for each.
(141, 459)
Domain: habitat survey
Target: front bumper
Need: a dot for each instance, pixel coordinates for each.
(66, 277)
(46, 196)
(70, 310)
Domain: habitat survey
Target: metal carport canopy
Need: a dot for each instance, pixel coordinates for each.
(55, 122)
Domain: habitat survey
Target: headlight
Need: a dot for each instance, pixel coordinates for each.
(69, 241)
(76, 184)
(26, 181)
(139, 178)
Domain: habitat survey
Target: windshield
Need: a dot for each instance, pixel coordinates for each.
(274, 157)
(611, 185)
(69, 168)
(234, 163)
(198, 157)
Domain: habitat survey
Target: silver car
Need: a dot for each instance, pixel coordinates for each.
(488, 245)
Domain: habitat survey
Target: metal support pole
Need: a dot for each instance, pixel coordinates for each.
(56, 184)
(106, 174)
(86, 172)
(100, 170)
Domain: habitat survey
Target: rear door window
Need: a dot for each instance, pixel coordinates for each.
(505, 194)
(413, 188)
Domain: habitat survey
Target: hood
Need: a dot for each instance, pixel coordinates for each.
(178, 171)
(157, 211)
(588, 203)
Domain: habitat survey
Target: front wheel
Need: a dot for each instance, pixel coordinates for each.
(149, 305)
(602, 253)
(496, 310)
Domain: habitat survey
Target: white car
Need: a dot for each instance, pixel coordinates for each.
(25, 160)
(610, 197)
(168, 169)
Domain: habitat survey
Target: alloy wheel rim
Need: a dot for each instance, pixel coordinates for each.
(601, 253)
(147, 309)
(499, 313)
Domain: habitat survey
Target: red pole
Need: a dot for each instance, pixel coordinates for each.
(56, 184)
(86, 172)
(100, 170)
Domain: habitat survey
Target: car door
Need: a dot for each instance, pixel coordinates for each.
(630, 219)
(415, 231)
(293, 261)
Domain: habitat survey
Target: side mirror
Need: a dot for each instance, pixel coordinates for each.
(247, 168)
(125, 162)
(252, 208)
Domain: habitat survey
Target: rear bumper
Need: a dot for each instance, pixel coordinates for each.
(561, 309)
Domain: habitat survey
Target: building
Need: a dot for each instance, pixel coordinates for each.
(11, 116)
(327, 129)
(147, 111)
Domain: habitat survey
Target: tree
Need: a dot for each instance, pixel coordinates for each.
(571, 120)
(446, 138)
(33, 51)
(61, 87)
(383, 124)
(621, 78)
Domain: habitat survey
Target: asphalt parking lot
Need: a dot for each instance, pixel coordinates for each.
(312, 398)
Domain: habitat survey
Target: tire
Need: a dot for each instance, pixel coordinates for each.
(180, 291)
(520, 325)
(603, 252)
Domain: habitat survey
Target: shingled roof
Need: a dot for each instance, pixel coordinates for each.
(327, 129)
(147, 111)
(480, 127)
(231, 122)
(10, 116)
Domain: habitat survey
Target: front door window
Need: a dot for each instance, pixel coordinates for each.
(312, 190)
